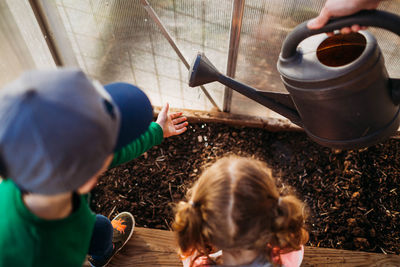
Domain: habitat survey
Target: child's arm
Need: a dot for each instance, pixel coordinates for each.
(165, 126)
(152, 137)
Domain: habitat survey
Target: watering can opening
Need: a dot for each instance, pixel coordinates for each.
(341, 49)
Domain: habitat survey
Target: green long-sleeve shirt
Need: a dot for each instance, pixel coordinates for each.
(27, 240)
(152, 137)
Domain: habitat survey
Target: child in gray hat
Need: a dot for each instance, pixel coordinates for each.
(58, 132)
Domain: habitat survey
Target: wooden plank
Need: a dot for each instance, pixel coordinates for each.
(148, 247)
(268, 123)
(338, 257)
(151, 247)
(271, 124)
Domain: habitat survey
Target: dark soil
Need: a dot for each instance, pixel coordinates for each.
(353, 196)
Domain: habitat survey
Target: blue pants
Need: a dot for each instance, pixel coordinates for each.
(101, 245)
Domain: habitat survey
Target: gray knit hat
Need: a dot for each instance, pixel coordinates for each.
(57, 128)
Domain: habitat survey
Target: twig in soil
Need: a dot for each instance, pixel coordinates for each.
(160, 158)
(157, 165)
(368, 212)
(170, 192)
(153, 206)
(112, 211)
(167, 224)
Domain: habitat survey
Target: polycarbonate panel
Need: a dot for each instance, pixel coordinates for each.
(265, 26)
(116, 40)
(22, 46)
(388, 41)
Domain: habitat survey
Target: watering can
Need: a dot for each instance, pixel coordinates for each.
(339, 89)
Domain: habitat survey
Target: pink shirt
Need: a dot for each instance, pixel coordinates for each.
(291, 259)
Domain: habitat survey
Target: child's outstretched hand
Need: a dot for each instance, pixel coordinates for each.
(172, 124)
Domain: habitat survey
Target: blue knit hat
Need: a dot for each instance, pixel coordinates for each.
(57, 127)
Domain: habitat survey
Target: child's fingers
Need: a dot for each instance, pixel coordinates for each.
(180, 126)
(179, 120)
(181, 130)
(165, 109)
(201, 261)
(175, 115)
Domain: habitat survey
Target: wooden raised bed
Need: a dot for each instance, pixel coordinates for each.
(152, 247)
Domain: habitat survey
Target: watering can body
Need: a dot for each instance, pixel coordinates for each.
(339, 89)
(342, 90)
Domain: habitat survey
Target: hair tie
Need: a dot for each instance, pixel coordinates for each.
(279, 201)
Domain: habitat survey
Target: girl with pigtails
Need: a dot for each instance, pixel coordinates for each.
(235, 216)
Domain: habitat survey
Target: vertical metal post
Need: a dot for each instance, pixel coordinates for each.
(44, 29)
(54, 32)
(234, 40)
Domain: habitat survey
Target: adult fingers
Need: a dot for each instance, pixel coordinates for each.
(345, 30)
(355, 28)
(320, 21)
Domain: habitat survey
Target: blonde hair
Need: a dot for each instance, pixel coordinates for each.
(236, 205)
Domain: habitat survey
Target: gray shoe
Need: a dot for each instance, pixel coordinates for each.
(123, 225)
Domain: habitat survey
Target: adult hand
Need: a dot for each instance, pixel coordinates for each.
(340, 8)
(172, 124)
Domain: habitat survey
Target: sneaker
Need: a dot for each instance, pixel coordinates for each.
(123, 225)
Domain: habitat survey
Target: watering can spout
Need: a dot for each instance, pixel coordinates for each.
(202, 71)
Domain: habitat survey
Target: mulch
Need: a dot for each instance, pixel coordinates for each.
(353, 197)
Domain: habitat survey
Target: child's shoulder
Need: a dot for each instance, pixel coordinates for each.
(7, 189)
(10, 201)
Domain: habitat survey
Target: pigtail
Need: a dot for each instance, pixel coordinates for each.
(290, 232)
(188, 228)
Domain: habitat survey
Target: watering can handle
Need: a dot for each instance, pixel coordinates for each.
(375, 18)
